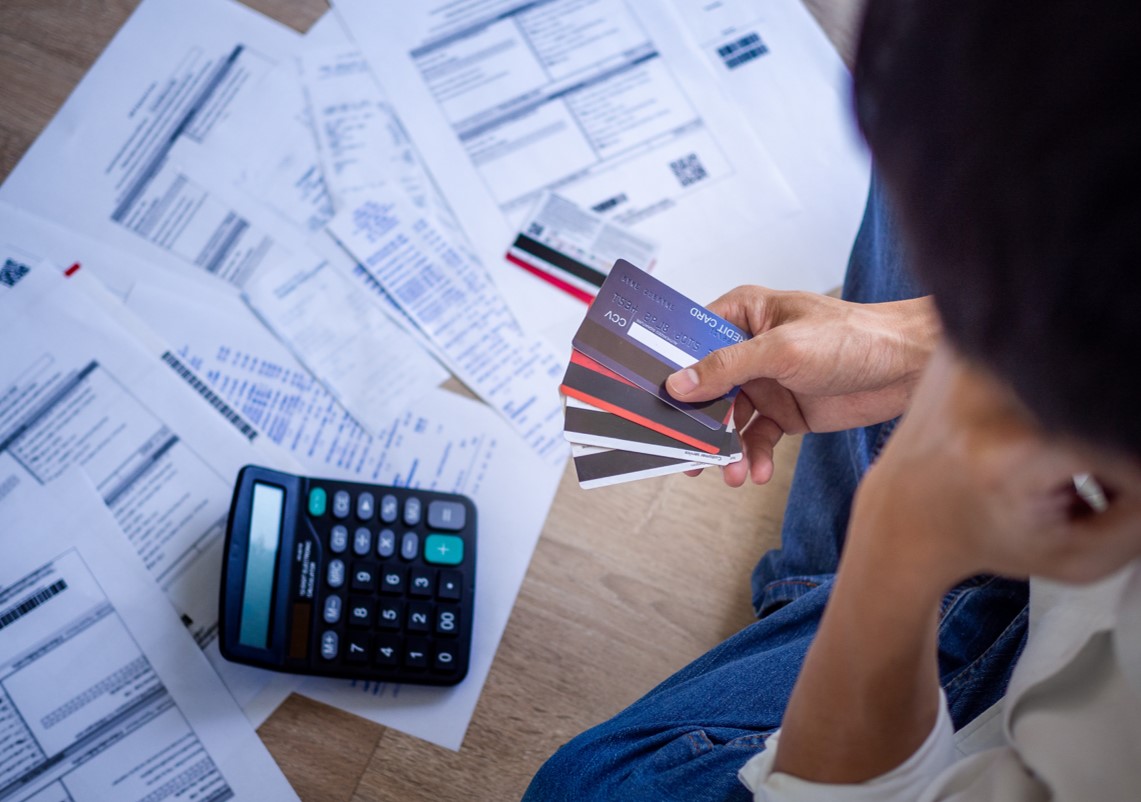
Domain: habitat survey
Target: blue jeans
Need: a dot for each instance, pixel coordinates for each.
(687, 738)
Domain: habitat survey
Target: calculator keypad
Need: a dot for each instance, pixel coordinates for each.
(395, 601)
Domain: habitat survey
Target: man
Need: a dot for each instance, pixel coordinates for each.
(1005, 140)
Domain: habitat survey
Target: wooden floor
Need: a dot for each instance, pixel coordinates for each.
(627, 585)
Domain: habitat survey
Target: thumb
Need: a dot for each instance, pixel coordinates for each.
(719, 372)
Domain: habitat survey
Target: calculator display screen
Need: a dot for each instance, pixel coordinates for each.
(261, 564)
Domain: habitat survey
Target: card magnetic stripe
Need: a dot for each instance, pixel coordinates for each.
(612, 349)
(609, 425)
(617, 463)
(559, 260)
(635, 404)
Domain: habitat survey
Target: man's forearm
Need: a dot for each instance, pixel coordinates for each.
(868, 693)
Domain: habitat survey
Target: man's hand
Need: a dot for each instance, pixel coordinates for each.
(814, 363)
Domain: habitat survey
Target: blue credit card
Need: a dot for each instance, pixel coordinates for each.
(644, 330)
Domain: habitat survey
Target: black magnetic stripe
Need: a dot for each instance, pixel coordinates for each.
(559, 260)
(603, 424)
(634, 399)
(607, 464)
(619, 349)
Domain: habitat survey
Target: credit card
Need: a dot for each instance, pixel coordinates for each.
(644, 331)
(600, 387)
(585, 424)
(574, 248)
(600, 467)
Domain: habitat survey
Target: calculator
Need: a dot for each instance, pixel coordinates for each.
(345, 579)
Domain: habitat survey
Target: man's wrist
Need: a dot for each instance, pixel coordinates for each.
(892, 531)
(920, 330)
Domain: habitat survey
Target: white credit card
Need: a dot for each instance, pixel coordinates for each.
(600, 467)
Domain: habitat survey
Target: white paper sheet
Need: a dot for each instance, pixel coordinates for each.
(266, 149)
(513, 493)
(83, 391)
(261, 379)
(458, 308)
(362, 144)
(105, 695)
(600, 100)
(108, 165)
(446, 443)
(789, 83)
(360, 140)
(369, 363)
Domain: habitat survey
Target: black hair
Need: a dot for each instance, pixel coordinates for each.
(1008, 136)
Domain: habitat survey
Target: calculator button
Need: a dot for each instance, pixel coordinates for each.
(447, 515)
(421, 582)
(360, 612)
(410, 546)
(451, 585)
(446, 658)
(362, 541)
(366, 505)
(419, 617)
(332, 613)
(447, 620)
(341, 504)
(364, 576)
(387, 652)
(357, 649)
(389, 614)
(317, 500)
(412, 511)
(386, 543)
(329, 645)
(392, 581)
(338, 539)
(443, 550)
(417, 654)
(336, 574)
(388, 509)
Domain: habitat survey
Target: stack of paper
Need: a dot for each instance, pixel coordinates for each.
(623, 423)
(214, 148)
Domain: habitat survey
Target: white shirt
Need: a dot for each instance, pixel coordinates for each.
(1070, 721)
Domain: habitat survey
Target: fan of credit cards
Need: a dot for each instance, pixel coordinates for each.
(620, 420)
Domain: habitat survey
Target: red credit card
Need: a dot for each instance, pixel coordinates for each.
(589, 381)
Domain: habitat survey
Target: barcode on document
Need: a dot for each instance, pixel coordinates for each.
(12, 272)
(200, 387)
(745, 49)
(688, 170)
(13, 614)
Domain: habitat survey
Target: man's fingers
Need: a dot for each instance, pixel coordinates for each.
(734, 475)
(742, 306)
(760, 440)
(721, 371)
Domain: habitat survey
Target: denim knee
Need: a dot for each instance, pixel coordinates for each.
(691, 764)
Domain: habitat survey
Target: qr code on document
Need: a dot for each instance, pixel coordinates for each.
(11, 272)
(688, 170)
